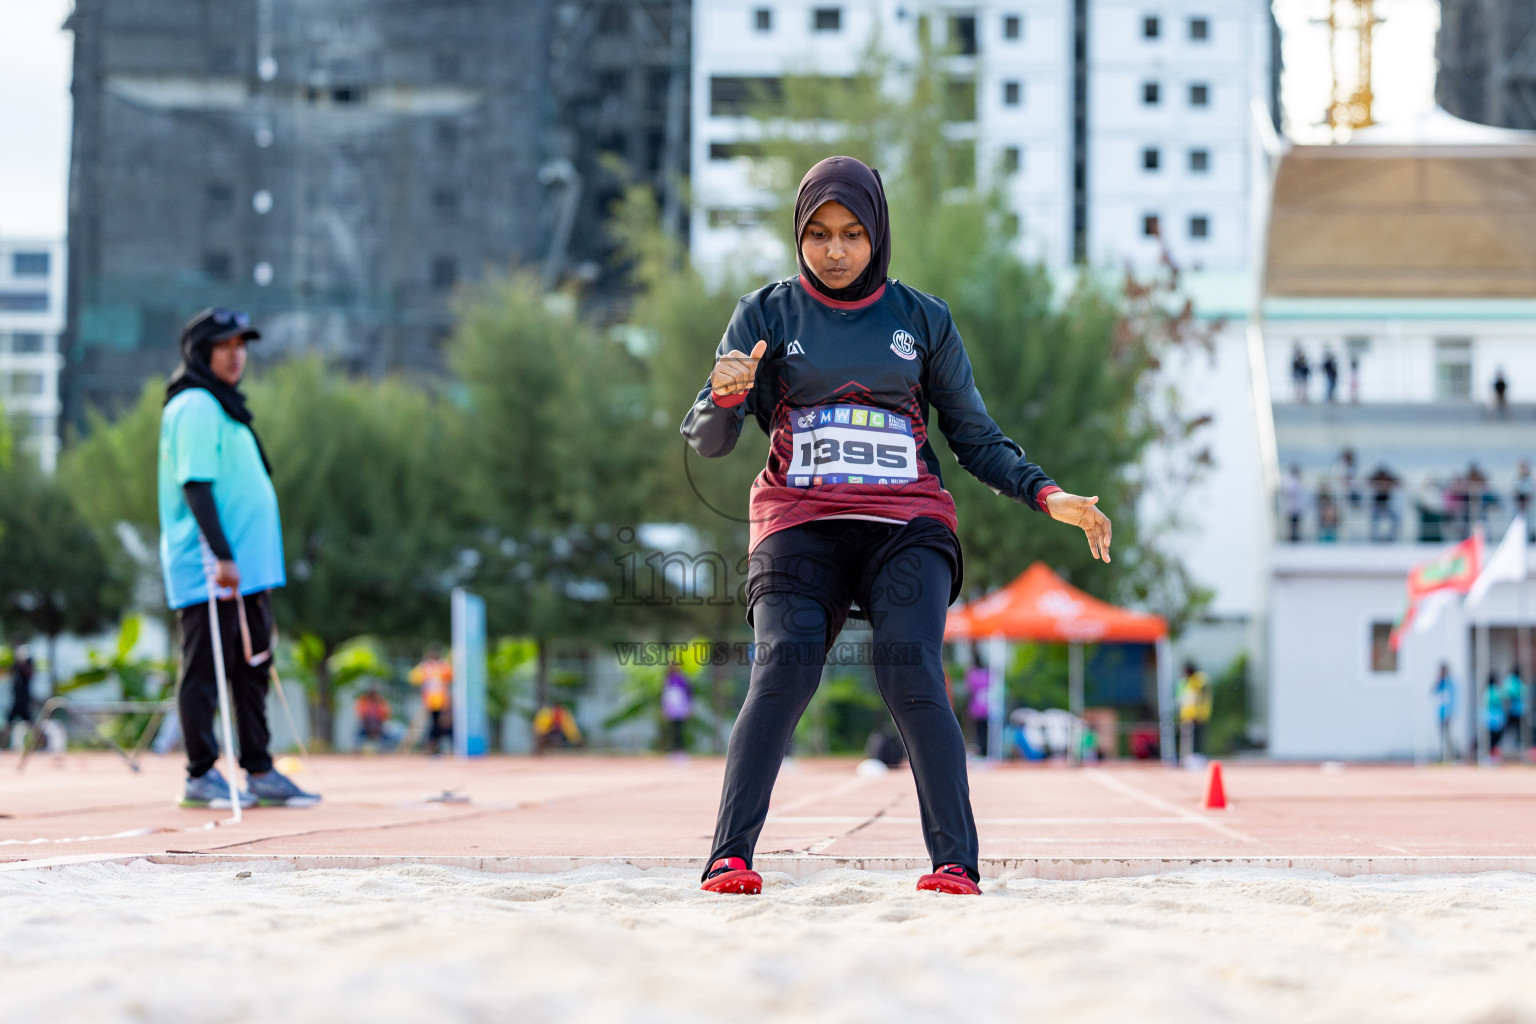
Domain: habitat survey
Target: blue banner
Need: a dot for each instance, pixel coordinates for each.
(470, 728)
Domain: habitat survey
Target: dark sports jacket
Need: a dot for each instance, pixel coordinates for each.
(897, 352)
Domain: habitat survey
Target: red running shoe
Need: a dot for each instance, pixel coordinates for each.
(951, 878)
(731, 874)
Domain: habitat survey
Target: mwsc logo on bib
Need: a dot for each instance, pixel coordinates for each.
(904, 345)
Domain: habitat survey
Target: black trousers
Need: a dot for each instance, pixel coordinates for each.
(197, 694)
(905, 601)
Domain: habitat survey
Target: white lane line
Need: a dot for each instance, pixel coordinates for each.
(836, 791)
(1124, 788)
(774, 819)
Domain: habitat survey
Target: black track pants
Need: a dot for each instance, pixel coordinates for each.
(197, 696)
(906, 608)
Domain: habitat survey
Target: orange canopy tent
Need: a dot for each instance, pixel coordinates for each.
(1040, 606)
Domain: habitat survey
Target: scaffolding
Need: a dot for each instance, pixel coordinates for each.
(1486, 50)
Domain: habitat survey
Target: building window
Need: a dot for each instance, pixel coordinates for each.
(23, 302)
(27, 385)
(827, 19)
(1013, 27)
(29, 343)
(762, 19)
(220, 197)
(29, 264)
(1151, 158)
(340, 95)
(1199, 226)
(1199, 29)
(734, 97)
(1199, 95)
(1383, 657)
(445, 273)
(738, 217)
(1199, 160)
(218, 266)
(1013, 160)
(1150, 94)
(1149, 225)
(960, 100)
(962, 34)
(1453, 369)
(1151, 28)
(1011, 93)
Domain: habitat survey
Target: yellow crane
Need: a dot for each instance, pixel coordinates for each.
(1350, 103)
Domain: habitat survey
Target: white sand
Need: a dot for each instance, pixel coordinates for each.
(421, 943)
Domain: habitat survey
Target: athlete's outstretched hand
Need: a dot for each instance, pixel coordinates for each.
(736, 372)
(1084, 512)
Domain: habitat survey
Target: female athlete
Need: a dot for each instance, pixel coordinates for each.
(840, 365)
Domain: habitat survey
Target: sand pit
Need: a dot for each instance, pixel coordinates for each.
(259, 942)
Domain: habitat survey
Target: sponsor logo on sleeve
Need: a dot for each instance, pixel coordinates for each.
(904, 345)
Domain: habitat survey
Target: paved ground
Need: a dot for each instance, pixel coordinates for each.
(559, 812)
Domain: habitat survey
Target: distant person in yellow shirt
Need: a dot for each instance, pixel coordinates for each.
(1194, 702)
(435, 677)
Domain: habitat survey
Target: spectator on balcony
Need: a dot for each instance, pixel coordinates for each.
(1434, 505)
(1330, 374)
(1523, 491)
(1348, 476)
(1500, 392)
(1480, 498)
(1327, 514)
(1384, 518)
(1301, 372)
(1295, 503)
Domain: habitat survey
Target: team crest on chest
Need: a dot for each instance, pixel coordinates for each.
(794, 349)
(904, 345)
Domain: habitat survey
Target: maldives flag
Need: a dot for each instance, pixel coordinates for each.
(1454, 570)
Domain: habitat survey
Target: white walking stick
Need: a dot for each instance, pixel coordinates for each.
(224, 702)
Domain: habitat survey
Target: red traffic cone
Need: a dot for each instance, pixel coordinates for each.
(1215, 792)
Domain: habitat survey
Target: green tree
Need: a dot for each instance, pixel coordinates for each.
(368, 483)
(558, 446)
(55, 575)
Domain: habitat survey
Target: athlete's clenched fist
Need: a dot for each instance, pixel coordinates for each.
(736, 372)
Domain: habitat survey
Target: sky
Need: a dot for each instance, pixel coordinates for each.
(35, 69)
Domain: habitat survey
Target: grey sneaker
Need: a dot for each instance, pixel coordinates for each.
(210, 790)
(274, 789)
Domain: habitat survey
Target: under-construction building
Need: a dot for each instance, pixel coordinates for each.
(340, 167)
(1487, 55)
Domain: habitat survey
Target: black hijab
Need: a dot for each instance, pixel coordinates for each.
(195, 371)
(842, 179)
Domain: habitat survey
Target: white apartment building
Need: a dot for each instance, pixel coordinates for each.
(1118, 122)
(31, 320)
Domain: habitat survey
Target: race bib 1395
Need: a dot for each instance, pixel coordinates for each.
(851, 444)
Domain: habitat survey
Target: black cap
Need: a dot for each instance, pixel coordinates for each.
(216, 325)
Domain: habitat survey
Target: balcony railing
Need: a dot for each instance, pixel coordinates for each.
(1324, 510)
